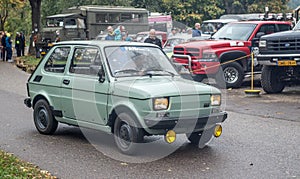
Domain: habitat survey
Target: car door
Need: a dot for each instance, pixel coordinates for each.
(52, 74)
(85, 98)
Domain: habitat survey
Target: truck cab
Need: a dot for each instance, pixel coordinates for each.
(226, 56)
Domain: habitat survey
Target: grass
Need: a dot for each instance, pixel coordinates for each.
(13, 168)
(30, 60)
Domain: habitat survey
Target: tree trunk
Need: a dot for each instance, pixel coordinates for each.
(36, 21)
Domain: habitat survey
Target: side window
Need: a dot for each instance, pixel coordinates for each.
(267, 28)
(86, 60)
(57, 60)
(284, 27)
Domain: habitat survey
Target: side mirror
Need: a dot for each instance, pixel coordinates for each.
(259, 34)
(101, 74)
(98, 69)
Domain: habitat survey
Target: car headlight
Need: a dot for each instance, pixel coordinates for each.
(208, 56)
(262, 43)
(215, 100)
(160, 103)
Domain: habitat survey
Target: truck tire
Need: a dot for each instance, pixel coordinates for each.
(231, 76)
(270, 80)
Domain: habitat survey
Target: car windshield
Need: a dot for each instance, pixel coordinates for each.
(173, 42)
(235, 31)
(138, 61)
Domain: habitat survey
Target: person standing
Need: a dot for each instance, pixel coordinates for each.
(111, 34)
(196, 31)
(18, 44)
(153, 39)
(8, 44)
(3, 45)
(22, 43)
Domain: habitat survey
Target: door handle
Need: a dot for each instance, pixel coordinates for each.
(66, 82)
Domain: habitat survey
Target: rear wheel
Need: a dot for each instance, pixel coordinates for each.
(127, 133)
(231, 76)
(270, 79)
(44, 120)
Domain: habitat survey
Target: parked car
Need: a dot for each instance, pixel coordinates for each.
(128, 89)
(141, 36)
(173, 41)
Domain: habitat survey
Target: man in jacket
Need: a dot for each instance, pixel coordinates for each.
(153, 39)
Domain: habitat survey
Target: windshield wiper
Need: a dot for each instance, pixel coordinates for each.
(225, 38)
(129, 70)
(151, 72)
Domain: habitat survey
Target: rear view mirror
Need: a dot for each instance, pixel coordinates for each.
(98, 69)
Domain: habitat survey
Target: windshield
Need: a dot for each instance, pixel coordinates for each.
(297, 26)
(138, 61)
(173, 42)
(235, 31)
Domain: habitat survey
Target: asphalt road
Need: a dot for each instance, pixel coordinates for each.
(260, 140)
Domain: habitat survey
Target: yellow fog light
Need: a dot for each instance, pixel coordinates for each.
(218, 131)
(170, 136)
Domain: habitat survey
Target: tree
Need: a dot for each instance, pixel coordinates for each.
(6, 6)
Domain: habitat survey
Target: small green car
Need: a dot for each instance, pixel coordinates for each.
(129, 89)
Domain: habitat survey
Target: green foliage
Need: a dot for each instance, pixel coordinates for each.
(12, 167)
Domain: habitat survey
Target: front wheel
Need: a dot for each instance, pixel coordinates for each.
(231, 75)
(44, 120)
(127, 133)
(270, 79)
(202, 138)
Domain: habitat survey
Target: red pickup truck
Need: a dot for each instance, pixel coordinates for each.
(230, 48)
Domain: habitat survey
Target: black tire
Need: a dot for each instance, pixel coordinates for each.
(127, 133)
(199, 78)
(230, 76)
(202, 138)
(44, 120)
(270, 79)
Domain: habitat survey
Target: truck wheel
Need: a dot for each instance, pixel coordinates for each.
(127, 133)
(270, 80)
(202, 138)
(44, 120)
(232, 75)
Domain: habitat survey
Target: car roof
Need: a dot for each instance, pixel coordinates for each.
(156, 32)
(262, 22)
(102, 43)
(220, 20)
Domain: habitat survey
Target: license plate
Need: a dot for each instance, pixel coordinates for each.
(287, 63)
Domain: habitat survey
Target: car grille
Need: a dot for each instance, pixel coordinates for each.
(193, 52)
(284, 45)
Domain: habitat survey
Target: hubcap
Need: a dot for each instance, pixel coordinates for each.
(124, 135)
(42, 118)
(231, 75)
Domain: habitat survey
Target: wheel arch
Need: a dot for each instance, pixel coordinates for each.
(232, 55)
(119, 109)
(37, 98)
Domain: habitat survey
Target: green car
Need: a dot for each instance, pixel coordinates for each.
(128, 89)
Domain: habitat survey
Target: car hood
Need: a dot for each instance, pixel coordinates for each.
(158, 86)
(215, 44)
(287, 35)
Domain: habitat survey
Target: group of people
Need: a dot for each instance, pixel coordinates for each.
(119, 34)
(6, 45)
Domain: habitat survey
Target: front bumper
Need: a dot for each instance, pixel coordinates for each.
(27, 102)
(185, 125)
(271, 59)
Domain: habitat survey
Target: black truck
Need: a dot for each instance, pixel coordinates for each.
(279, 53)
